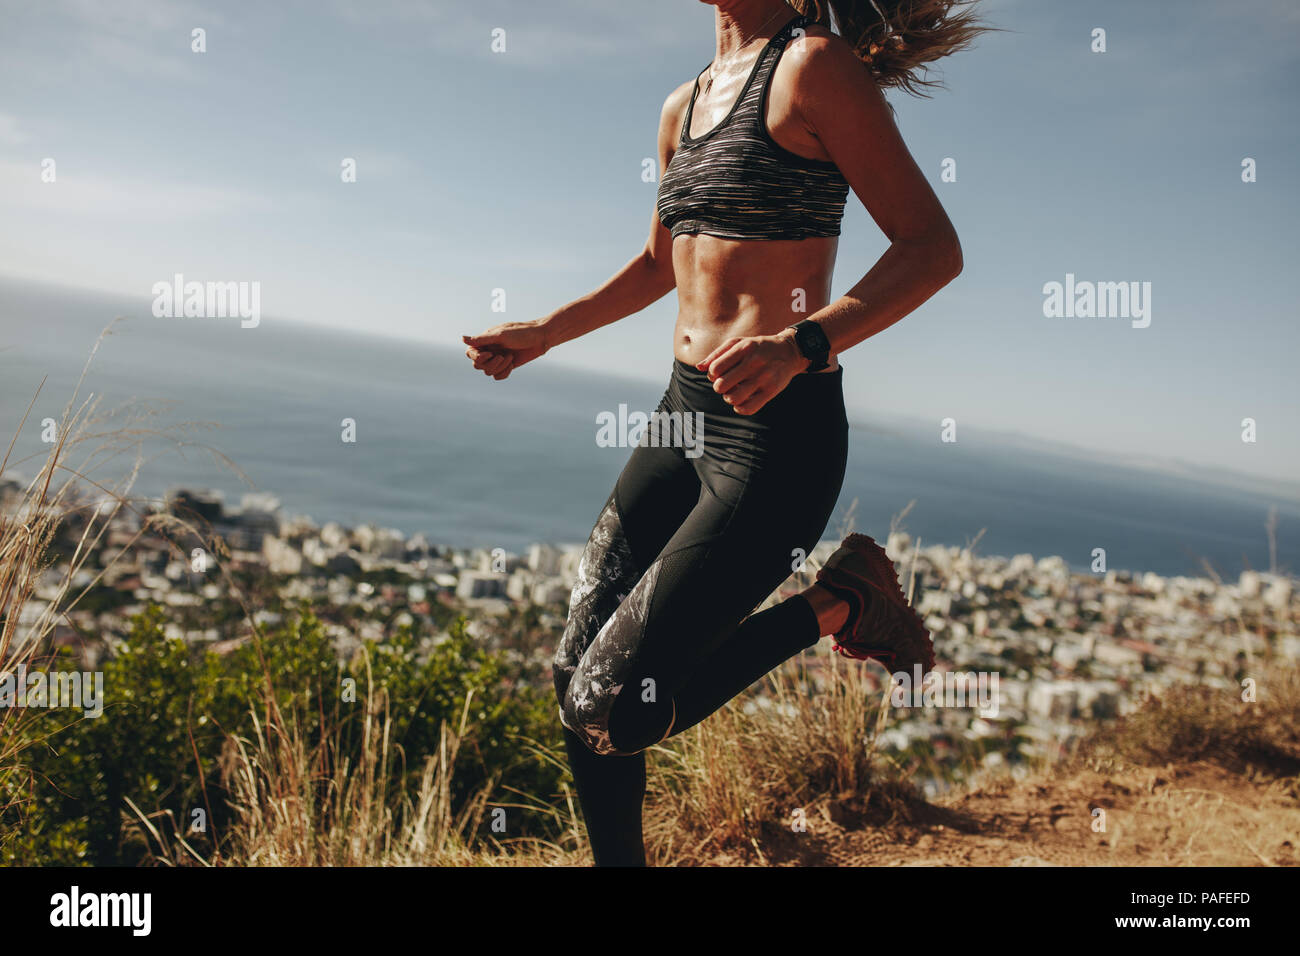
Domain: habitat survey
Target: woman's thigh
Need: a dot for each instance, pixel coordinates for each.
(654, 493)
(748, 530)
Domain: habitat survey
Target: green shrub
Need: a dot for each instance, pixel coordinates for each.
(169, 709)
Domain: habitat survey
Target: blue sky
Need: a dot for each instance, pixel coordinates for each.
(522, 170)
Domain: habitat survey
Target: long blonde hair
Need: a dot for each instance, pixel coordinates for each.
(896, 39)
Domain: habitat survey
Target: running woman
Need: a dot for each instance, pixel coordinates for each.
(757, 155)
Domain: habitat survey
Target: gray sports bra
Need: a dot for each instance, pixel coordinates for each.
(737, 183)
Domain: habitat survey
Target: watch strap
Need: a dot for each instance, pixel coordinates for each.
(811, 340)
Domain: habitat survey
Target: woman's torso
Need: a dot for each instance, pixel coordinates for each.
(743, 178)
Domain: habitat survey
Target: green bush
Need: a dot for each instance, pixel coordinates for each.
(169, 709)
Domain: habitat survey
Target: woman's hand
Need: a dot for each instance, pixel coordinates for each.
(749, 372)
(503, 348)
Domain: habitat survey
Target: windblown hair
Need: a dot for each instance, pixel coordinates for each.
(896, 39)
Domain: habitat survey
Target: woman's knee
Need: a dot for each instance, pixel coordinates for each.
(639, 720)
(585, 709)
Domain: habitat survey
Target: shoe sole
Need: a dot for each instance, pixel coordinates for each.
(920, 649)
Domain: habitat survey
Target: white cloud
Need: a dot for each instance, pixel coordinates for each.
(11, 134)
(125, 199)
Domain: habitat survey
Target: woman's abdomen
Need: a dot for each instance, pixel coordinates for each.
(734, 288)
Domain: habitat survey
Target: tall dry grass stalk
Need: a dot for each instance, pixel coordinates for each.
(805, 740)
(303, 804)
(298, 804)
(66, 491)
(30, 519)
(39, 589)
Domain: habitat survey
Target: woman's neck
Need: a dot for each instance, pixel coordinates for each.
(743, 21)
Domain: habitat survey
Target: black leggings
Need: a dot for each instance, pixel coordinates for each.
(711, 513)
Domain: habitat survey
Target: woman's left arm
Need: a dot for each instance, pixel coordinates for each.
(847, 112)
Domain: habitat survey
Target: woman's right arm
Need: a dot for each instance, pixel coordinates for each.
(644, 280)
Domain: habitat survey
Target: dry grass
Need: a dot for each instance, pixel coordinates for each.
(1200, 822)
(68, 492)
(302, 805)
(28, 526)
(298, 803)
(718, 788)
(728, 781)
(1194, 723)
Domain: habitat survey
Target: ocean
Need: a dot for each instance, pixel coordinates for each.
(440, 449)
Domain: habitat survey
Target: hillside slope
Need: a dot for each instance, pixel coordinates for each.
(1192, 815)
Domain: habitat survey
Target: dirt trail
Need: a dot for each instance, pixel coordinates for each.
(1197, 815)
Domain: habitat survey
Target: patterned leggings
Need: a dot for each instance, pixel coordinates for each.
(698, 530)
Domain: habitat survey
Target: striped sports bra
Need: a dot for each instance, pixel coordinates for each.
(736, 182)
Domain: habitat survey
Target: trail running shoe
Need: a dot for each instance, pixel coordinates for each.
(888, 630)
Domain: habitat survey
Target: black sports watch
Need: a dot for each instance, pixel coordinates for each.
(813, 344)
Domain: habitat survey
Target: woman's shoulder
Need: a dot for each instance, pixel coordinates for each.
(821, 63)
(678, 98)
(816, 46)
(673, 113)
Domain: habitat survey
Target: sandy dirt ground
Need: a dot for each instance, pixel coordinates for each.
(1197, 815)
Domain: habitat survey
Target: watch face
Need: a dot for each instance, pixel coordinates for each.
(812, 340)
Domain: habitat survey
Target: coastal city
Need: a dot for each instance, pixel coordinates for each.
(1065, 649)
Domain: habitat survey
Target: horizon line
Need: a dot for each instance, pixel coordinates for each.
(1217, 476)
